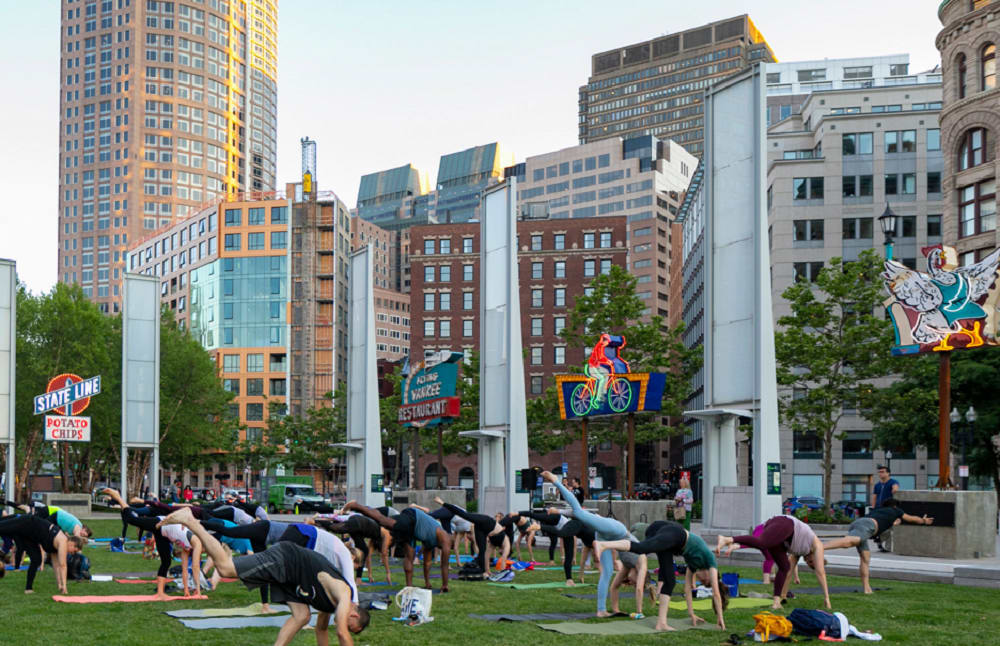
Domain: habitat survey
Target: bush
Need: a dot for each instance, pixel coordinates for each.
(821, 516)
(473, 506)
(696, 509)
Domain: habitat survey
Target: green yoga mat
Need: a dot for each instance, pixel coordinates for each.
(622, 626)
(537, 586)
(698, 604)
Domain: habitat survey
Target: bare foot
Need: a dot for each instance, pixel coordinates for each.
(29, 592)
(548, 476)
(663, 627)
(438, 500)
(570, 583)
(161, 597)
(267, 609)
(603, 614)
(723, 542)
(598, 548)
(179, 517)
(869, 591)
(776, 605)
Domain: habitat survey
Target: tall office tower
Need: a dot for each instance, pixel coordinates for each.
(164, 106)
(655, 87)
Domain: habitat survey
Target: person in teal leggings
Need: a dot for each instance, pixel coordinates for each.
(605, 529)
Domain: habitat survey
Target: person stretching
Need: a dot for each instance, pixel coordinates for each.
(878, 522)
(605, 529)
(324, 543)
(460, 531)
(781, 536)
(634, 570)
(567, 530)
(409, 526)
(297, 576)
(260, 534)
(490, 534)
(668, 539)
(32, 535)
(58, 516)
(367, 536)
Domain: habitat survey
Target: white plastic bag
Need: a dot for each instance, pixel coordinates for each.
(415, 605)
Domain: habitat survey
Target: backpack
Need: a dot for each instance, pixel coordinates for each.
(415, 605)
(77, 567)
(814, 623)
(772, 626)
(117, 545)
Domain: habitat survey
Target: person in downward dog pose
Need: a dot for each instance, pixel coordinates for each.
(297, 576)
(489, 534)
(668, 539)
(605, 529)
(781, 536)
(367, 535)
(34, 535)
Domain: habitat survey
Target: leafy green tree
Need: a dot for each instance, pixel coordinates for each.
(831, 350)
(905, 414)
(309, 440)
(394, 434)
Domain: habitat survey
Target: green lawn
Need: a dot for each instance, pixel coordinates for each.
(908, 613)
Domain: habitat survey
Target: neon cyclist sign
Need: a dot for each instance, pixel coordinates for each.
(608, 387)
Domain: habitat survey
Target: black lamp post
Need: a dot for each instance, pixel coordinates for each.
(887, 221)
(964, 437)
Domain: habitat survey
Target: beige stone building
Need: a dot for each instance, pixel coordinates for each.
(832, 168)
(970, 124)
(164, 106)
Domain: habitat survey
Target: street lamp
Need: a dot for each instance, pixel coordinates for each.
(964, 437)
(888, 461)
(888, 221)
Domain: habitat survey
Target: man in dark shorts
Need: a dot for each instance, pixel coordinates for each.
(884, 489)
(878, 522)
(35, 535)
(297, 576)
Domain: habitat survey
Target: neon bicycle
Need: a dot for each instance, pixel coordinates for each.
(603, 381)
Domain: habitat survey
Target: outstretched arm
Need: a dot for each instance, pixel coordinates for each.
(918, 520)
(339, 593)
(388, 523)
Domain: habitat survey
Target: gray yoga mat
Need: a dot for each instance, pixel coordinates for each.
(836, 589)
(240, 622)
(541, 616)
(218, 613)
(573, 595)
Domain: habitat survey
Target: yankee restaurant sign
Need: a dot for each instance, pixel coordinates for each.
(429, 390)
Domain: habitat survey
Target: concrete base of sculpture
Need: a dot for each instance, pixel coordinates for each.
(973, 536)
(77, 504)
(732, 508)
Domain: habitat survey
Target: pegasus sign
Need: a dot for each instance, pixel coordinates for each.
(949, 307)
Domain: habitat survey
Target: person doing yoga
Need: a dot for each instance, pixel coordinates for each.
(668, 539)
(489, 535)
(297, 576)
(410, 526)
(58, 516)
(633, 570)
(879, 521)
(605, 529)
(367, 535)
(781, 536)
(260, 534)
(34, 535)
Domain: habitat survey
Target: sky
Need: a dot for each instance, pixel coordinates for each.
(379, 84)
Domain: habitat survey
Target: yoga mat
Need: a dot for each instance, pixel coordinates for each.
(538, 586)
(11, 567)
(240, 622)
(204, 613)
(698, 604)
(135, 580)
(834, 589)
(638, 627)
(102, 578)
(124, 598)
(541, 616)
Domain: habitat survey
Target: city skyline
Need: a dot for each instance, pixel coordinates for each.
(545, 64)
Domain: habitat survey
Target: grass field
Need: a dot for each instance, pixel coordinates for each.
(907, 613)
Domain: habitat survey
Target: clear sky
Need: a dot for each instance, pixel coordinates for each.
(379, 84)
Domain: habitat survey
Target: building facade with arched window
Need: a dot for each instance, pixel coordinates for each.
(970, 124)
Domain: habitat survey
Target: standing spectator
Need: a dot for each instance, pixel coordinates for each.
(188, 494)
(884, 489)
(577, 490)
(683, 501)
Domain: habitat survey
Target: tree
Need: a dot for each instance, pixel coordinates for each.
(394, 433)
(612, 306)
(831, 350)
(309, 440)
(905, 414)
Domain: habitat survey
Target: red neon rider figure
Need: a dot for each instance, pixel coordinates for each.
(601, 367)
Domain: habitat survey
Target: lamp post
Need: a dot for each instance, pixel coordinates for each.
(888, 461)
(964, 437)
(887, 221)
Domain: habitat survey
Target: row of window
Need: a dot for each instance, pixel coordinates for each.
(255, 241)
(255, 387)
(894, 141)
(442, 301)
(578, 166)
(811, 188)
(256, 216)
(591, 240)
(862, 229)
(277, 362)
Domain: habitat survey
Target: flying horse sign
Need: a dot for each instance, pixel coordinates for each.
(948, 308)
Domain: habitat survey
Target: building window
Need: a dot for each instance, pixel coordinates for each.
(892, 184)
(255, 412)
(934, 182)
(909, 183)
(536, 356)
(559, 294)
(536, 271)
(891, 142)
(233, 242)
(428, 273)
(255, 241)
(605, 265)
(861, 72)
(605, 240)
(444, 301)
(899, 69)
(558, 325)
(278, 388)
(444, 328)
(807, 271)
(989, 67)
(589, 268)
(849, 185)
(812, 75)
(279, 239)
(429, 302)
(428, 328)
(807, 188)
(233, 217)
(230, 363)
(971, 152)
(865, 185)
(255, 216)
(444, 273)
(933, 226)
(445, 245)
(857, 143)
(536, 327)
(467, 328)
(559, 355)
(536, 298)
(977, 208)
(279, 215)
(588, 240)
(559, 241)
(231, 385)
(857, 229)
(466, 300)
(908, 140)
(429, 247)
(255, 387)
(536, 385)
(907, 227)
(960, 77)
(467, 273)
(466, 245)
(933, 139)
(806, 230)
(559, 269)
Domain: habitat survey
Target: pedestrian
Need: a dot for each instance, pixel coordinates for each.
(188, 494)
(884, 489)
(683, 502)
(578, 490)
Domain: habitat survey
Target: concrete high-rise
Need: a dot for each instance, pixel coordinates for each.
(164, 106)
(656, 87)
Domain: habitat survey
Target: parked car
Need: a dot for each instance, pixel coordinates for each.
(645, 491)
(851, 508)
(797, 502)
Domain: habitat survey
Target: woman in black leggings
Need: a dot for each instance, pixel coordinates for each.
(567, 530)
(32, 535)
(367, 535)
(489, 534)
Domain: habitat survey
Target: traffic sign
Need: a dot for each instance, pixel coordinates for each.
(963, 471)
(69, 392)
(592, 471)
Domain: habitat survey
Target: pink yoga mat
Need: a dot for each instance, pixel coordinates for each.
(125, 598)
(222, 580)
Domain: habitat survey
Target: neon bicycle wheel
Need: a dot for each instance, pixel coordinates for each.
(580, 401)
(619, 395)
